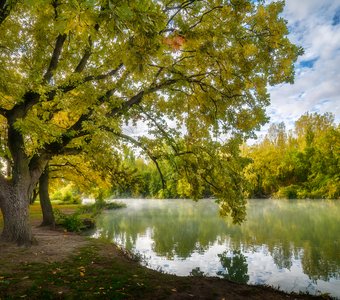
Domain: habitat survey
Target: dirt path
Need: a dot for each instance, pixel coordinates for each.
(53, 246)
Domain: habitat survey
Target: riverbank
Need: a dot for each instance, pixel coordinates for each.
(70, 266)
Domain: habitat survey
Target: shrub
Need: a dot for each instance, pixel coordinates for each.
(71, 222)
(99, 206)
(288, 192)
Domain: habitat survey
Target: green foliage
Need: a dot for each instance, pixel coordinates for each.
(66, 195)
(84, 216)
(99, 206)
(73, 73)
(71, 222)
(235, 265)
(288, 192)
(300, 164)
(196, 272)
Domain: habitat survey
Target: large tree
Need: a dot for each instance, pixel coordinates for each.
(75, 72)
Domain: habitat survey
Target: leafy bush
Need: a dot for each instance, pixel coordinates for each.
(333, 188)
(71, 222)
(288, 192)
(99, 206)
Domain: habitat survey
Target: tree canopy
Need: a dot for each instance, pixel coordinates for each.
(303, 163)
(193, 73)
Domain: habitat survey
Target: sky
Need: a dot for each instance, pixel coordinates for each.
(314, 25)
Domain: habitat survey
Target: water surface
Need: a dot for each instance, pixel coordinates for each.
(291, 245)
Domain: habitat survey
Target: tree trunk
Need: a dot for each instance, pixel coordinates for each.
(14, 204)
(16, 190)
(35, 194)
(15, 211)
(45, 202)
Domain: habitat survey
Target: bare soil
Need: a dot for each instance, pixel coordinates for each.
(58, 246)
(53, 245)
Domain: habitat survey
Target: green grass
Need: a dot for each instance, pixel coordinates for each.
(36, 214)
(86, 275)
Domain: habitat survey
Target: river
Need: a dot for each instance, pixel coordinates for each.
(293, 245)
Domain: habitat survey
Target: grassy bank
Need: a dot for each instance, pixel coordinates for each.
(101, 271)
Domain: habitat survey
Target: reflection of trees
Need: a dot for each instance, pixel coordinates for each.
(179, 228)
(306, 230)
(317, 267)
(282, 256)
(236, 267)
(196, 272)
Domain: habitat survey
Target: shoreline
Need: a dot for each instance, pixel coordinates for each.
(68, 265)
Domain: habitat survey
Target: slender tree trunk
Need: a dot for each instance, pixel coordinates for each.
(45, 202)
(35, 194)
(15, 211)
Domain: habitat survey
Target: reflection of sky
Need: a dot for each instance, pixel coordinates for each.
(263, 262)
(261, 266)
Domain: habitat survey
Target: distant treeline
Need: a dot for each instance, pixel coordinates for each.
(299, 163)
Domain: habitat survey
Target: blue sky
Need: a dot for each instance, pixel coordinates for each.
(314, 25)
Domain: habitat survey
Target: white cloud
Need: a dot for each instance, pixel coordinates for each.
(317, 80)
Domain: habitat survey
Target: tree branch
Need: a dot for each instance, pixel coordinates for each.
(136, 99)
(72, 166)
(57, 48)
(72, 86)
(37, 164)
(140, 145)
(55, 57)
(178, 9)
(82, 63)
(19, 110)
(5, 9)
(76, 130)
(126, 105)
(31, 98)
(3, 111)
(160, 128)
(71, 151)
(80, 67)
(203, 15)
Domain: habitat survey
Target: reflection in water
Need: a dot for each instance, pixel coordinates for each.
(236, 267)
(291, 244)
(197, 272)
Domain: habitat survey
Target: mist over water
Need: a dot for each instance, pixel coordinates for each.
(293, 245)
